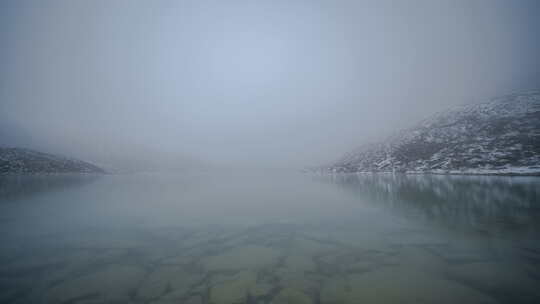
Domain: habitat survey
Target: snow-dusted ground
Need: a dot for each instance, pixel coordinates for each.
(500, 136)
(17, 160)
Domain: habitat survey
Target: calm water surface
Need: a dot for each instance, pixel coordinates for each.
(269, 237)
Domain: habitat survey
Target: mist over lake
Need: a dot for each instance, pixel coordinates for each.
(272, 237)
(269, 152)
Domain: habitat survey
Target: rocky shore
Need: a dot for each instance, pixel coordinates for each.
(25, 161)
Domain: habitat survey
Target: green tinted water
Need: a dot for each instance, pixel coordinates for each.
(269, 238)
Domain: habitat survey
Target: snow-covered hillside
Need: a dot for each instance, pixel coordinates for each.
(500, 136)
(17, 160)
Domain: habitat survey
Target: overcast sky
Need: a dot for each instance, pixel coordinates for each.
(269, 83)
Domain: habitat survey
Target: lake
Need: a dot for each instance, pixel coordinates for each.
(269, 237)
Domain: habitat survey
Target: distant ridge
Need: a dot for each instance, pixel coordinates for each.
(499, 136)
(25, 161)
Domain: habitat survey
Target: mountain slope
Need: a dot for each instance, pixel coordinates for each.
(500, 136)
(18, 160)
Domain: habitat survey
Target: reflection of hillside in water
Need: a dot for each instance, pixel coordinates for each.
(488, 203)
(17, 186)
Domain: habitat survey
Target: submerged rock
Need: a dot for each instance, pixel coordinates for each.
(173, 280)
(334, 290)
(300, 263)
(235, 289)
(398, 285)
(168, 300)
(306, 247)
(291, 296)
(261, 289)
(248, 257)
(113, 284)
(296, 280)
(504, 280)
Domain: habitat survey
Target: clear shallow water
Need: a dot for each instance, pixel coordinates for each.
(269, 238)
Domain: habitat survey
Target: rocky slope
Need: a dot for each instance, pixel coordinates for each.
(18, 160)
(500, 136)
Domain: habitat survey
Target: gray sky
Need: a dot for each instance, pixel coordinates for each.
(269, 83)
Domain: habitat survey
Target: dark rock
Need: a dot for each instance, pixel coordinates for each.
(24, 161)
(500, 136)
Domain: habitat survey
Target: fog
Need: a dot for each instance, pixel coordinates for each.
(249, 83)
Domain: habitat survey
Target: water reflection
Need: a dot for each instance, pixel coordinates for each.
(16, 186)
(491, 204)
(271, 239)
